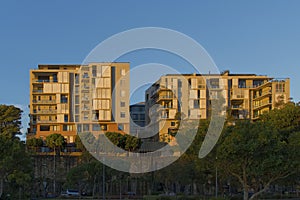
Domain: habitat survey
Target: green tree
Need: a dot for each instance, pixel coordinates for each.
(10, 123)
(55, 141)
(257, 156)
(126, 142)
(34, 143)
(15, 163)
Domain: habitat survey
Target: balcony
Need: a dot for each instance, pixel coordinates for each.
(44, 111)
(260, 105)
(265, 93)
(46, 121)
(37, 91)
(44, 81)
(44, 101)
(236, 107)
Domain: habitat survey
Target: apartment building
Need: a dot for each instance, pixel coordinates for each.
(187, 96)
(68, 99)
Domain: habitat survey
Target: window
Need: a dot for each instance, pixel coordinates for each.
(123, 72)
(44, 128)
(96, 127)
(85, 75)
(214, 83)
(94, 70)
(76, 90)
(196, 103)
(76, 109)
(135, 117)
(86, 127)
(76, 99)
(122, 104)
(63, 98)
(66, 118)
(280, 87)
(242, 83)
(55, 128)
(172, 123)
(121, 127)
(122, 82)
(142, 117)
(122, 93)
(76, 118)
(76, 79)
(79, 128)
(67, 127)
(122, 114)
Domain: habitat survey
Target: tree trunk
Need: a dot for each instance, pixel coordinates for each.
(245, 184)
(94, 185)
(259, 192)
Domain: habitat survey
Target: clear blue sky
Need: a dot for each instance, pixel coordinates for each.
(257, 36)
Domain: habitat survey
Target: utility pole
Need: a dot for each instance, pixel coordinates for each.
(103, 181)
(54, 184)
(216, 179)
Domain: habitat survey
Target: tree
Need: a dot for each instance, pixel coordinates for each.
(55, 141)
(10, 123)
(126, 142)
(34, 143)
(257, 156)
(15, 163)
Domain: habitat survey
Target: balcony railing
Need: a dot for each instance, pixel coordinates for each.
(44, 81)
(44, 111)
(43, 101)
(46, 121)
(37, 91)
(262, 104)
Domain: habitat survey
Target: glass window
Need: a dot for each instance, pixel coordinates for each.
(94, 70)
(96, 127)
(121, 127)
(66, 118)
(242, 83)
(122, 104)
(122, 114)
(86, 127)
(79, 128)
(63, 98)
(123, 72)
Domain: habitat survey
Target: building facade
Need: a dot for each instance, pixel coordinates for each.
(137, 114)
(245, 96)
(68, 99)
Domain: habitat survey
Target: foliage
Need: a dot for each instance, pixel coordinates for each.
(15, 163)
(259, 153)
(126, 142)
(55, 141)
(10, 123)
(34, 142)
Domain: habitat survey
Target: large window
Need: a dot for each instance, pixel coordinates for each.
(280, 87)
(242, 83)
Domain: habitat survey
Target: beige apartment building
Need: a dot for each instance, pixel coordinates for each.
(68, 99)
(245, 96)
